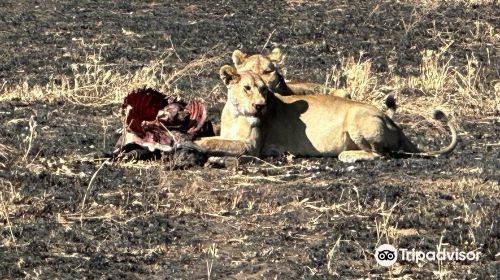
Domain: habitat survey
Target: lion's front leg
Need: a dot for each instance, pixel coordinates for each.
(217, 146)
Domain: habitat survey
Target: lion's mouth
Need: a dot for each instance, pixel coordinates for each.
(253, 115)
(257, 114)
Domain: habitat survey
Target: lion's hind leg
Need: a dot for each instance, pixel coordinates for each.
(363, 145)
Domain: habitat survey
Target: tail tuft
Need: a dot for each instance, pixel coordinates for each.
(389, 106)
(439, 115)
(390, 102)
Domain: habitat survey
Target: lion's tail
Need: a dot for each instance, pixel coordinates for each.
(410, 150)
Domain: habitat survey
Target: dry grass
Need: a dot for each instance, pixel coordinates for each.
(4, 154)
(96, 83)
(462, 90)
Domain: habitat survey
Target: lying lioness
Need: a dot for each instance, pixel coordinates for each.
(258, 122)
(265, 66)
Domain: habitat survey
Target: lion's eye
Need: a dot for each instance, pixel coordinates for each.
(268, 71)
(247, 87)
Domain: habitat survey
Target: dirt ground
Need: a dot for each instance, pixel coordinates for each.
(67, 213)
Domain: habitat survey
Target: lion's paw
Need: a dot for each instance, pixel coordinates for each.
(355, 156)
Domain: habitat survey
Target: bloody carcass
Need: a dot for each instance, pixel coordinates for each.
(158, 122)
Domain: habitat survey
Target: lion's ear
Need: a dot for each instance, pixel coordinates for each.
(239, 57)
(228, 74)
(275, 55)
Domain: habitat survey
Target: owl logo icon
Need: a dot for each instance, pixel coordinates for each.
(386, 255)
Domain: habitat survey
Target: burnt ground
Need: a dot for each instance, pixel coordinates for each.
(66, 213)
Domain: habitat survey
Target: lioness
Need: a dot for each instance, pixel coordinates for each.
(265, 66)
(258, 122)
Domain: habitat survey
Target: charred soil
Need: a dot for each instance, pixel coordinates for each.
(66, 212)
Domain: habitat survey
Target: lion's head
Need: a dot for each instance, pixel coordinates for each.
(247, 93)
(262, 65)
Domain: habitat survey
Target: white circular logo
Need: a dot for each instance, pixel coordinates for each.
(386, 255)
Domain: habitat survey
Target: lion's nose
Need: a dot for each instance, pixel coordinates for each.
(259, 107)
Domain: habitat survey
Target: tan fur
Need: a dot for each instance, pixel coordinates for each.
(265, 66)
(310, 125)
